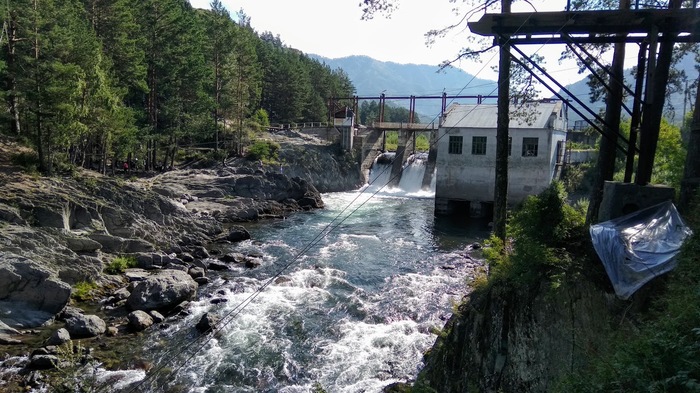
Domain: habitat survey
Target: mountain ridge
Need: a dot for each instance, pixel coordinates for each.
(373, 77)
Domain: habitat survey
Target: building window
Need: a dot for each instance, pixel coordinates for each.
(510, 145)
(530, 147)
(479, 145)
(455, 145)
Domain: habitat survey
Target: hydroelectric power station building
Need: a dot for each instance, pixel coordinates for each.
(466, 154)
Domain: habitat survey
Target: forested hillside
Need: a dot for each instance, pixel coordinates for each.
(93, 82)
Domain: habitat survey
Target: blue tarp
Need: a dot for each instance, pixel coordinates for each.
(639, 246)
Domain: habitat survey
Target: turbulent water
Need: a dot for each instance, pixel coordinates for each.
(351, 295)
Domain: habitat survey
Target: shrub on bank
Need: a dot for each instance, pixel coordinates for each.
(265, 151)
(120, 264)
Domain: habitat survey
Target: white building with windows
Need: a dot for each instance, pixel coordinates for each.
(466, 154)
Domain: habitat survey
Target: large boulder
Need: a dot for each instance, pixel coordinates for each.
(81, 326)
(139, 320)
(59, 337)
(162, 291)
(30, 294)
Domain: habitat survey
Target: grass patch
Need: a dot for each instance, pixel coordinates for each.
(84, 291)
(120, 264)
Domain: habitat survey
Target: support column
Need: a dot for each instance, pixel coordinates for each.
(605, 167)
(653, 112)
(502, 122)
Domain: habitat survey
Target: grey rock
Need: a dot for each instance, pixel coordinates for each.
(43, 362)
(162, 290)
(31, 288)
(112, 331)
(82, 326)
(136, 274)
(233, 257)
(200, 252)
(69, 312)
(157, 317)
(196, 272)
(59, 337)
(207, 323)
(252, 263)
(182, 268)
(202, 280)
(216, 265)
(237, 233)
(187, 257)
(7, 340)
(139, 320)
(82, 244)
(121, 294)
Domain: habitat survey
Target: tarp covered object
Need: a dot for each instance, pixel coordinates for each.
(639, 246)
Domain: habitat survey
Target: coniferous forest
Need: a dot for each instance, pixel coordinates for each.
(92, 83)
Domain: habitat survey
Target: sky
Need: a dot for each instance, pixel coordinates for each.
(334, 29)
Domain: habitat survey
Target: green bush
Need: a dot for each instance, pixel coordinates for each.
(392, 141)
(27, 160)
(542, 231)
(266, 151)
(84, 291)
(120, 264)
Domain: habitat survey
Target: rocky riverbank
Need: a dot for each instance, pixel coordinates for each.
(60, 235)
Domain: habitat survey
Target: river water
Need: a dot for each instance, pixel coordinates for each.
(352, 296)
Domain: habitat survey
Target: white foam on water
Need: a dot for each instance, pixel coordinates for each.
(368, 357)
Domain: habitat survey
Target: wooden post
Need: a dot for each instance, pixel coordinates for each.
(605, 167)
(691, 175)
(502, 122)
(653, 113)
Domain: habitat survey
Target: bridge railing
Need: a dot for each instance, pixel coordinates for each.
(296, 126)
(404, 126)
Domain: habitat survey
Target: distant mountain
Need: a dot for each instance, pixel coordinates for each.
(581, 91)
(372, 77)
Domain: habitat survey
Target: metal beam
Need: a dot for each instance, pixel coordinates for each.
(683, 21)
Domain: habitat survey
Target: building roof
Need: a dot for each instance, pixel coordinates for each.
(539, 115)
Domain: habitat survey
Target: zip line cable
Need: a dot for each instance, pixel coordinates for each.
(233, 313)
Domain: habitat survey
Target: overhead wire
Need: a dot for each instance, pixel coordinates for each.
(327, 229)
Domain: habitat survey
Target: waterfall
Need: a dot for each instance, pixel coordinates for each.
(411, 176)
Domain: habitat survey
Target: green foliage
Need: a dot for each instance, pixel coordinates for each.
(120, 264)
(266, 151)
(115, 78)
(392, 140)
(74, 371)
(422, 143)
(578, 178)
(27, 160)
(84, 291)
(317, 388)
(543, 231)
(260, 119)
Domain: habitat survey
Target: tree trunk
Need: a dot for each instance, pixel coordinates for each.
(500, 206)
(10, 80)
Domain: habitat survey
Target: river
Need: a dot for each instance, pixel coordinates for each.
(353, 295)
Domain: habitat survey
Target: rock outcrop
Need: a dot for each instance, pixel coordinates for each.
(162, 291)
(30, 293)
(518, 340)
(81, 326)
